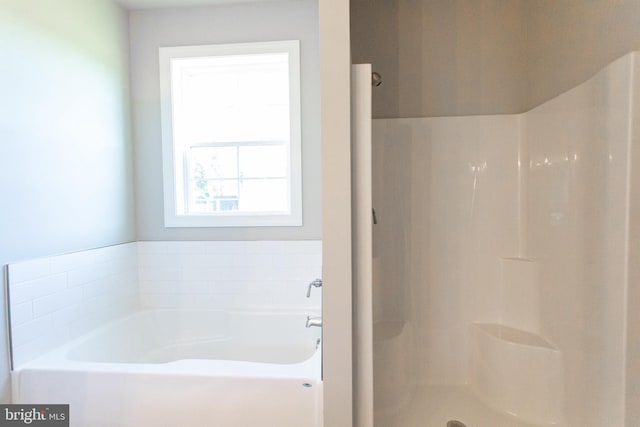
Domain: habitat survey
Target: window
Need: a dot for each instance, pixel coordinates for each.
(231, 135)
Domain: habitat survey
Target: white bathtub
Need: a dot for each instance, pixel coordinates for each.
(184, 368)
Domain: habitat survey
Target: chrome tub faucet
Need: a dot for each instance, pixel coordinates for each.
(316, 284)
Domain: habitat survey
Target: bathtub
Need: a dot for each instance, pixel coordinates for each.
(184, 368)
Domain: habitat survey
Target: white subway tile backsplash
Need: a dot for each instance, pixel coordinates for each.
(304, 247)
(29, 270)
(21, 313)
(96, 288)
(82, 275)
(195, 300)
(191, 274)
(160, 300)
(31, 330)
(58, 298)
(149, 247)
(299, 273)
(77, 260)
(72, 313)
(120, 264)
(29, 291)
(238, 275)
(186, 247)
(128, 250)
(154, 260)
(226, 260)
(228, 247)
(57, 301)
(197, 262)
(306, 260)
(160, 273)
(103, 269)
(232, 287)
(259, 260)
(169, 287)
(267, 247)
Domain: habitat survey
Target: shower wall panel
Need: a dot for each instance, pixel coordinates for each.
(446, 198)
(578, 181)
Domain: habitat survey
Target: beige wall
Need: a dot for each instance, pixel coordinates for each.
(570, 40)
(441, 57)
(469, 57)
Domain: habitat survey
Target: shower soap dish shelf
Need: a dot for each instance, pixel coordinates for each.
(517, 372)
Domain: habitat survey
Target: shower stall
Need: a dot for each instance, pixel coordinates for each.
(503, 273)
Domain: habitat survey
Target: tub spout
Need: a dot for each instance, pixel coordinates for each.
(314, 321)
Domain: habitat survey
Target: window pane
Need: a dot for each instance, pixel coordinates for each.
(213, 196)
(264, 195)
(214, 162)
(263, 161)
(232, 98)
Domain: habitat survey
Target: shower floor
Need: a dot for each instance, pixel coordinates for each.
(434, 406)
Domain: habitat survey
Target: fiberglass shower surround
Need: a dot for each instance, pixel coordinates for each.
(507, 241)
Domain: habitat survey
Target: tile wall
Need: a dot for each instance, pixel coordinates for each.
(56, 299)
(245, 275)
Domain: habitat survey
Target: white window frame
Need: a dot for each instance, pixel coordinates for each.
(173, 177)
